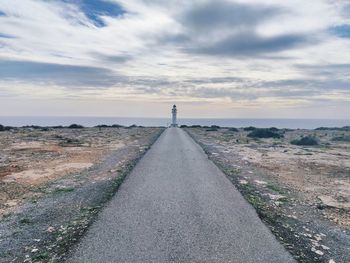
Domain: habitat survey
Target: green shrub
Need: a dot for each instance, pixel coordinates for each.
(213, 128)
(264, 133)
(183, 126)
(344, 138)
(345, 128)
(250, 128)
(233, 129)
(75, 126)
(307, 141)
(5, 128)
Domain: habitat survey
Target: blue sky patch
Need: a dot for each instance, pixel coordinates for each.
(94, 9)
(341, 31)
(5, 36)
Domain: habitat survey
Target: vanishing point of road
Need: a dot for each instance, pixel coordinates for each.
(177, 206)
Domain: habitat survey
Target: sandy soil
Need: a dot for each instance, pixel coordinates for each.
(33, 157)
(54, 182)
(307, 183)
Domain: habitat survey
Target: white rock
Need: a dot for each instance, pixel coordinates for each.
(260, 182)
(318, 237)
(318, 252)
(275, 197)
(243, 181)
(325, 247)
(50, 229)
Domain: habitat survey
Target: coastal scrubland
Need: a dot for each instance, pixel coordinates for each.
(298, 181)
(54, 180)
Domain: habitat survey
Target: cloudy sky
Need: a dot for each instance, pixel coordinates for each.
(219, 58)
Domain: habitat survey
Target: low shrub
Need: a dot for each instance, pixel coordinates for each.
(250, 128)
(5, 128)
(34, 127)
(75, 126)
(71, 142)
(307, 141)
(183, 126)
(233, 129)
(345, 128)
(264, 133)
(213, 128)
(344, 138)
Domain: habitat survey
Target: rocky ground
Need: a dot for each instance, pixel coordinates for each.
(301, 192)
(53, 181)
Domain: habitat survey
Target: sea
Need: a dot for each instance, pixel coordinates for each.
(18, 121)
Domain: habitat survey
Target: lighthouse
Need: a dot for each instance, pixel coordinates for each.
(174, 113)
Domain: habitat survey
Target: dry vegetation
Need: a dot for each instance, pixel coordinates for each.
(303, 175)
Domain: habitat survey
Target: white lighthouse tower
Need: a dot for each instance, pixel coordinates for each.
(174, 113)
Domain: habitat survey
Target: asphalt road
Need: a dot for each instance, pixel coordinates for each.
(177, 206)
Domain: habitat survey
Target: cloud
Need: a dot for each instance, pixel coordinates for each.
(212, 15)
(57, 74)
(250, 44)
(224, 50)
(225, 28)
(335, 72)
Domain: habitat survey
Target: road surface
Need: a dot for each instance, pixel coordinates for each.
(177, 206)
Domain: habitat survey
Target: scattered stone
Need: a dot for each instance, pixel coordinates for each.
(318, 252)
(50, 229)
(260, 182)
(275, 197)
(307, 235)
(318, 237)
(243, 181)
(325, 247)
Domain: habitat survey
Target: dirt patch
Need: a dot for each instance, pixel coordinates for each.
(49, 204)
(30, 158)
(301, 192)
